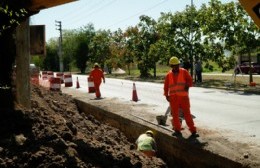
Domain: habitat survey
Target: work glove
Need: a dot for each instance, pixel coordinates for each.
(167, 98)
(186, 88)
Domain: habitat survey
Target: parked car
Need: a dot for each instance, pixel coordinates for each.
(244, 68)
(34, 71)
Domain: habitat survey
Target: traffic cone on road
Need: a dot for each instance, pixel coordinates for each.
(134, 95)
(77, 86)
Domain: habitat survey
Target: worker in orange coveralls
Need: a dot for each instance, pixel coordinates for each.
(97, 74)
(176, 90)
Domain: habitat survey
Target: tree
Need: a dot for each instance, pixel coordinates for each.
(69, 45)
(76, 47)
(246, 33)
(99, 47)
(147, 36)
(82, 53)
(131, 37)
(51, 61)
(181, 33)
(229, 24)
(117, 49)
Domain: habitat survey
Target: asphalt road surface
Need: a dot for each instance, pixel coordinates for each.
(213, 108)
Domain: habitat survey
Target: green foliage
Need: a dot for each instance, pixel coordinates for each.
(231, 25)
(69, 45)
(10, 16)
(191, 34)
(147, 36)
(76, 44)
(38, 61)
(81, 55)
(51, 61)
(208, 67)
(99, 47)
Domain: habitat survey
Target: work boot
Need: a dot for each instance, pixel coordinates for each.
(177, 133)
(195, 134)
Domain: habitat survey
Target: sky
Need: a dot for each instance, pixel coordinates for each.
(107, 14)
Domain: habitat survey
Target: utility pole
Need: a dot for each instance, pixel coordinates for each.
(58, 24)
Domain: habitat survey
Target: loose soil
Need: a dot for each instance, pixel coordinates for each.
(54, 134)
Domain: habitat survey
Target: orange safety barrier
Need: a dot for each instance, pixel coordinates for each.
(55, 83)
(91, 87)
(59, 75)
(43, 75)
(35, 80)
(43, 81)
(49, 74)
(67, 80)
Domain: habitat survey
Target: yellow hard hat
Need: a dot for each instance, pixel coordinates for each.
(96, 65)
(174, 61)
(149, 132)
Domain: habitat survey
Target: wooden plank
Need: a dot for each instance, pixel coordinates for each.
(252, 7)
(23, 95)
(37, 5)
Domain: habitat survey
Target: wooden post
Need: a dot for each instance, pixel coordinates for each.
(23, 92)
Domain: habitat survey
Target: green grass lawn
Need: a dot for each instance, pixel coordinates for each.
(214, 79)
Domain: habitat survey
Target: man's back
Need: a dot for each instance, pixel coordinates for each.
(97, 74)
(145, 143)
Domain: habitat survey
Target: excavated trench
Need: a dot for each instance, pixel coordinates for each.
(176, 152)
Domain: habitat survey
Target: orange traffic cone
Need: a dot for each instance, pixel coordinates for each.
(77, 86)
(134, 95)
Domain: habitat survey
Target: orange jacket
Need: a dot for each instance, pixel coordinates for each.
(97, 74)
(175, 84)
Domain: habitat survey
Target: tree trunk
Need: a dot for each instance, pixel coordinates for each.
(250, 68)
(128, 69)
(154, 70)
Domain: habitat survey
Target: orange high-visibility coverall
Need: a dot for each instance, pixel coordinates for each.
(97, 74)
(174, 87)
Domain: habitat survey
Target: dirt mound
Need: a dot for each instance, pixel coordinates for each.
(54, 134)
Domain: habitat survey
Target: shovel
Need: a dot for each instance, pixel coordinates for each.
(161, 119)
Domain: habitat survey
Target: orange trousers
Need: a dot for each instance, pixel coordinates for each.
(182, 102)
(97, 90)
(149, 153)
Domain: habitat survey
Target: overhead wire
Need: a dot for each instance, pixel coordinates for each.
(84, 8)
(94, 11)
(108, 4)
(123, 20)
(75, 10)
(95, 8)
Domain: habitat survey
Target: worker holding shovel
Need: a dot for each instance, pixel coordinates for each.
(168, 111)
(176, 91)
